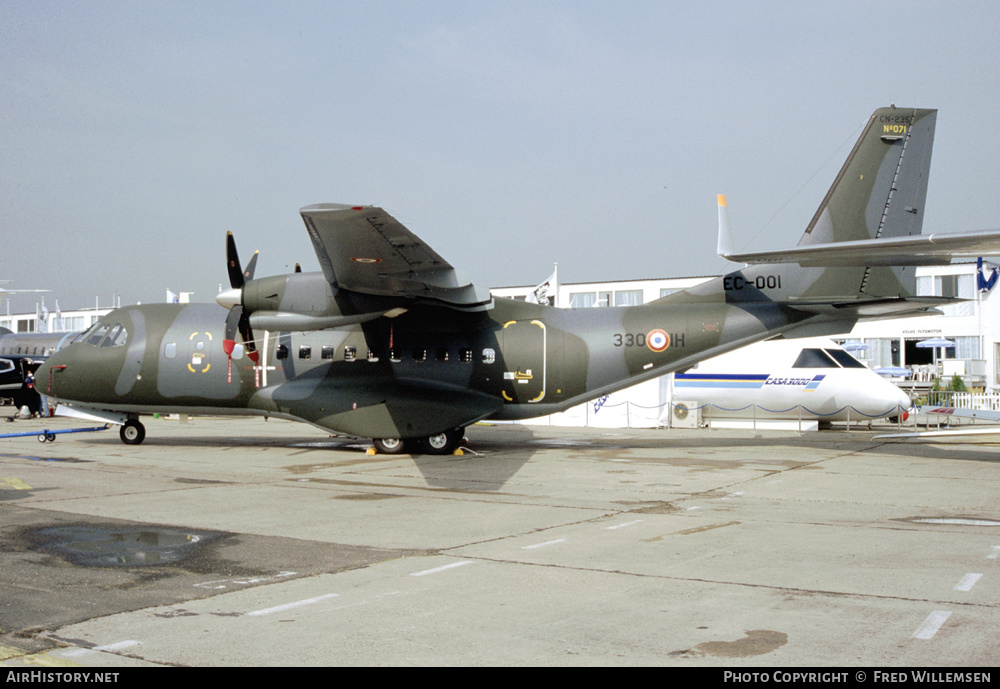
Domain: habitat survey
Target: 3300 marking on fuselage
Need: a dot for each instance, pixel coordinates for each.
(656, 340)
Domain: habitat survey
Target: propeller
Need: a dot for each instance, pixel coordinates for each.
(238, 320)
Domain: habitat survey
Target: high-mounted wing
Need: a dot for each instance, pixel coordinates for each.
(364, 249)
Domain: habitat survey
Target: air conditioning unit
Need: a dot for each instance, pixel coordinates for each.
(685, 415)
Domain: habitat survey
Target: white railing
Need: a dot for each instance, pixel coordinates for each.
(964, 400)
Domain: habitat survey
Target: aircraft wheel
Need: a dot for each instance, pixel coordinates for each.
(389, 446)
(132, 432)
(443, 443)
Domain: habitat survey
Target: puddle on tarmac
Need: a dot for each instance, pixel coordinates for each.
(121, 546)
(756, 642)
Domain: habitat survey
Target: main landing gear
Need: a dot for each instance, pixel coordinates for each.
(443, 443)
(132, 432)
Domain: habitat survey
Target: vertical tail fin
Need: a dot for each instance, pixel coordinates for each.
(881, 189)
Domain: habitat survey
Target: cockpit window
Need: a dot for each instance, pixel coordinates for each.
(117, 336)
(104, 335)
(814, 358)
(844, 358)
(98, 334)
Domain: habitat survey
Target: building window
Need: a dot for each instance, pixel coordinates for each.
(960, 286)
(628, 297)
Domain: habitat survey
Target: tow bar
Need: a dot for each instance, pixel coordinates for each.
(50, 436)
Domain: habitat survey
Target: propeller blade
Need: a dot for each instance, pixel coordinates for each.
(233, 262)
(232, 323)
(251, 266)
(247, 333)
(238, 319)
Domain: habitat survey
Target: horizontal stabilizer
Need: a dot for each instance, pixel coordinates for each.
(918, 250)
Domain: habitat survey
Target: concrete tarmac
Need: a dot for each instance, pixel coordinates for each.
(235, 542)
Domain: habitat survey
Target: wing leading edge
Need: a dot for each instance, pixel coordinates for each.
(364, 249)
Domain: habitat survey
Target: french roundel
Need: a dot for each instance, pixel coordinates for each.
(657, 340)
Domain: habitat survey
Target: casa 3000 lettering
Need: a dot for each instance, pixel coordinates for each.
(737, 282)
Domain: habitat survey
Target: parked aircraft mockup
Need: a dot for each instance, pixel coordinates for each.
(791, 379)
(390, 342)
(20, 355)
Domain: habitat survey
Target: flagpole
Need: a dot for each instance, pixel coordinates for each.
(555, 279)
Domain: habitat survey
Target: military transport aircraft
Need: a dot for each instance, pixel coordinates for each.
(390, 342)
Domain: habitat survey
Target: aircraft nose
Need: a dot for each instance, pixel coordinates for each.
(42, 377)
(899, 401)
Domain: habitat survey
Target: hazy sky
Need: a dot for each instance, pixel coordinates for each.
(508, 135)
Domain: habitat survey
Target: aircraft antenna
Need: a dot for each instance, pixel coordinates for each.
(851, 137)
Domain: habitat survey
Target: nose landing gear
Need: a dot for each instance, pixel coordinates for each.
(132, 432)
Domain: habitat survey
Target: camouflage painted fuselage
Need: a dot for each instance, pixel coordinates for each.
(427, 370)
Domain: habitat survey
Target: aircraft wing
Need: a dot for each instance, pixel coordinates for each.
(364, 249)
(986, 414)
(951, 433)
(963, 413)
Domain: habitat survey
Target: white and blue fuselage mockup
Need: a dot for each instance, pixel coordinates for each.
(807, 379)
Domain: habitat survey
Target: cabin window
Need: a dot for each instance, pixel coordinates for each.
(419, 354)
(281, 352)
(441, 354)
(350, 353)
(170, 350)
(394, 356)
(305, 351)
(372, 356)
(465, 355)
(489, 355)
